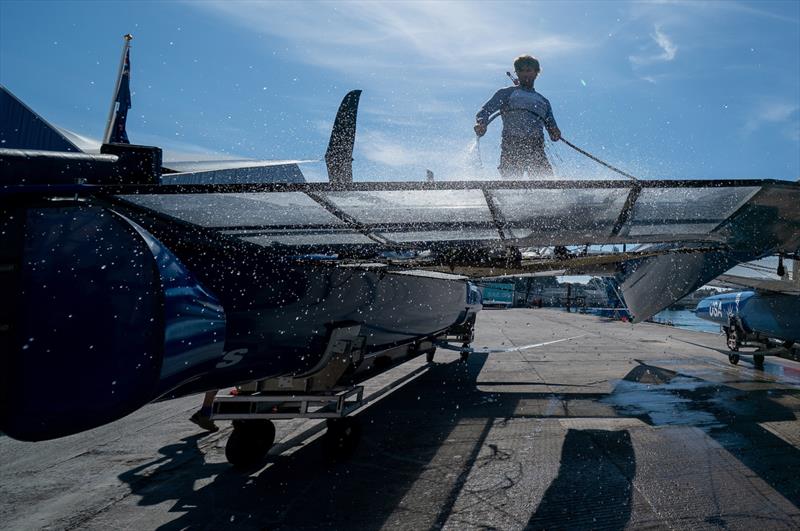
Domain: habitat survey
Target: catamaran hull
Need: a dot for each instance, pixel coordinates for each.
(772, 315)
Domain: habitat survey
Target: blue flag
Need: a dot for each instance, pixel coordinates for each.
(118, 133)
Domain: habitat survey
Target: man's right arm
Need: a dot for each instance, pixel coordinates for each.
(490, 107)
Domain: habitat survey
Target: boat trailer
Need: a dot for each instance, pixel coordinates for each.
(318, 394)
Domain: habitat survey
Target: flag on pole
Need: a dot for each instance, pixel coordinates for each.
(123, 103)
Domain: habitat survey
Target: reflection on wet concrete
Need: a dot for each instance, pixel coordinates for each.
(593, 486)
(654, 394)
(730, 416)
(782, 372)
(779, 371)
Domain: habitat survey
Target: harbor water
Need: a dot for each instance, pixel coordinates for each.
(687, 320)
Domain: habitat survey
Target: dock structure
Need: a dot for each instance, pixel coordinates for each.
(605, 425)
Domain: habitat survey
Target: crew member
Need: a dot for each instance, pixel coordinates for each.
(525, 114)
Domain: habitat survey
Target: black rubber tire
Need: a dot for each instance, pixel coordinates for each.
(732, 338)
(249, 442)
(342, 437)
(733, 358)
(758, 361)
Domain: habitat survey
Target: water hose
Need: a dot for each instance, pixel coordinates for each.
(570, 144)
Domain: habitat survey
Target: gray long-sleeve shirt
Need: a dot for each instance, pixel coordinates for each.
(525, 111)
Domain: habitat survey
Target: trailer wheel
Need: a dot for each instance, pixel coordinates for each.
(732, 338)
(342, 437)
(249, 442)
(758, 361)
(733, 358)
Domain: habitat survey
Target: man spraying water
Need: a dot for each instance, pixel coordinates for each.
(525, 114)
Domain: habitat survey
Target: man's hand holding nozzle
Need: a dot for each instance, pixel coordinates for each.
(480, 129)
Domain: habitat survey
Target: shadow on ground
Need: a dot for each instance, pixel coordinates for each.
(594, 483)
(396, 476)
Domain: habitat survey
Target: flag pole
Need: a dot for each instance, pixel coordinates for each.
(107, 135)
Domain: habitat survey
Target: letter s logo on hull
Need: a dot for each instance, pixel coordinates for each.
(232, 358)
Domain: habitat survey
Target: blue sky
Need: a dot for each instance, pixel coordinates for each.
(661, 89)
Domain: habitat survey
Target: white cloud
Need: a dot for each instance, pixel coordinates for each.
(782, 115)
(778, 112)
(408, 156)
(792, 131)
(378, 147)
(407, 56)
(666, 44)
(667, 53)
(323, 127)
(396, 151)
(425, 37)
(714, 7)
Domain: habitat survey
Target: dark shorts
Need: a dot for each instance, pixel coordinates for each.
(521, 155)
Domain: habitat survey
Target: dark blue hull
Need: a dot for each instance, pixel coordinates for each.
(772, 315)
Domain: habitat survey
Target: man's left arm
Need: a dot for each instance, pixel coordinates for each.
(551, 125)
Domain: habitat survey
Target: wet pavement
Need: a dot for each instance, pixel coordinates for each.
(625, 426)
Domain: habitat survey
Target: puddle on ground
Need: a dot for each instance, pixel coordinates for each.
(782, 372)
(667, 398)
(667, 402)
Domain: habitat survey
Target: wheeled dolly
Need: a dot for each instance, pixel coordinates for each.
(735, 337)
(465, 333)
(254, 433)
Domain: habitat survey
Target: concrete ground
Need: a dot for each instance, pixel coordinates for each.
(619, 426)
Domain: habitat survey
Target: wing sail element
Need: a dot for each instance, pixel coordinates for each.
(696, 229)
(233, 171)
(759, 284)
(522, 213)
(763, 275)
(339, 155)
